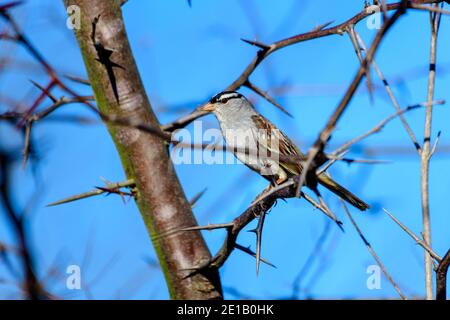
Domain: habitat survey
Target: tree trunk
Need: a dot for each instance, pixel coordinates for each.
(119, 91)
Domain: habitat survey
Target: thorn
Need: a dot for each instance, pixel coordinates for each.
(27, 144)
(250, 252)
(435, 144)
(35, 104)
(266, 96)
(419, 241)
(327, 210)
(340, 225)
(197, 197)
(322, 26)
(258, 232)
(44, 90)
(77, 79)
(76, 197)
(98, 191)
(209, 227)
(10, 5)
(258, 44)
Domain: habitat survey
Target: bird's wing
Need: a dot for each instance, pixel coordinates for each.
(277, 142)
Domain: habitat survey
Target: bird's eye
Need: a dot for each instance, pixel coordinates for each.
(224, 100)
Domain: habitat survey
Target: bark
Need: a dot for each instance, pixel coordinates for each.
(162, 203)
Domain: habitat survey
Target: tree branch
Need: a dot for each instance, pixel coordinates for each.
(326, 132)
(441, 277)
(266, 50)
(119, 93)
(426, 155)
(372, 251)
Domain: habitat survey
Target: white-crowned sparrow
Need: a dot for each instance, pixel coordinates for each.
(247, 133)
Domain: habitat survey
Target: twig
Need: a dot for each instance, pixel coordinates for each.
(352, 34)
(314, 34)
(372, 252)
(262, 54)
(391, 96)
(44, 90)
(233, 230)
(78, 79)
(380, 126)
(266, 96)
(291, 182)
(419, 241)
(325, 134)
(184, 121)
(428, 8)
(435, 19)
(261, 205)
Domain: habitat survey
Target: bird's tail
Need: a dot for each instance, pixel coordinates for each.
(339, 190)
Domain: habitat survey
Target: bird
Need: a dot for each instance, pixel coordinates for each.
(246, 133)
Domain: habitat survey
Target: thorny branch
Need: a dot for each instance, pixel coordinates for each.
(390, 94)
(260, 207)
(266, 200)
(266, 50)
(109, 188)
(326, 132)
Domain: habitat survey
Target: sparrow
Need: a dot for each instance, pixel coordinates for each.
(248, 135)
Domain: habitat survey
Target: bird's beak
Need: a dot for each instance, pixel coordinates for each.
(208, 107)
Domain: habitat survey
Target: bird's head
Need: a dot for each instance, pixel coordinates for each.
(223, 100)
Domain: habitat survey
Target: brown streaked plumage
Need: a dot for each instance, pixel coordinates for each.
(239, 121)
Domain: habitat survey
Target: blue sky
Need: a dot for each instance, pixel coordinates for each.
(185, 55)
